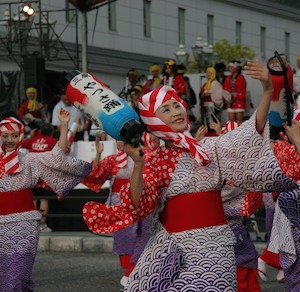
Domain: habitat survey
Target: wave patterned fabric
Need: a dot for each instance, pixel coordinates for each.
(186, 261)
(289, 204)
(18, 244)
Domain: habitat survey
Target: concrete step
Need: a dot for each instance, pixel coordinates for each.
(69, 241)
(75, 242)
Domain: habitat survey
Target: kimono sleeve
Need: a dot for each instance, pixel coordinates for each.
(101, 218)
(104, 170)
(246, 159)
(288, 159)
(61, 172)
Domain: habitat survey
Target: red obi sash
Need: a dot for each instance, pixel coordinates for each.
(118, 183)
(192, 211)
(16, 202)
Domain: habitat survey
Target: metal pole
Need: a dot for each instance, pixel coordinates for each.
(84, 42)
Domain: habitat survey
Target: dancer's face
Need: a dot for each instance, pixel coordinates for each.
(10, 140)
(173, 115)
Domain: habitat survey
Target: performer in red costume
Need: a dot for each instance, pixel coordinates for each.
(236, 85)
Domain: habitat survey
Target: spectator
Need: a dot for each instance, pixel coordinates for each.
(211, 101)
(32, 112)
(75, 115)
(133, 78)
(169, 72)
(220, 72)
(135, 93)
(154, 79)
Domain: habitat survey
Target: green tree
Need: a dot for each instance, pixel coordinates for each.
(227, 52)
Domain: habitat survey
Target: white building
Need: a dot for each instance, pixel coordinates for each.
(128, 34)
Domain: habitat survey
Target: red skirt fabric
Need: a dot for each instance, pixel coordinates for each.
(271, 258)
(247, 279)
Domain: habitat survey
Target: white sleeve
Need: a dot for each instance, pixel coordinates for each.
(55, 120)
(216, 93)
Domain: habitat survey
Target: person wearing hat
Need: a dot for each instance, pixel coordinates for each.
(183, 90)
(133, 78)
(154, 79)
(211, 99)
(135, 93)
(19, 218)
(32, 112)
(181, 188)
(169, 72)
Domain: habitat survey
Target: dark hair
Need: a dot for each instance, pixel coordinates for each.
(10, 114)
(239, 69)
(220, 67)
(47, 129)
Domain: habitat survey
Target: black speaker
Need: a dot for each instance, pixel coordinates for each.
(34, 72)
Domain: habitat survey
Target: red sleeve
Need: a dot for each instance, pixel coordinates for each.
(288, 159)
(23, 109)
(252, 202)
(180, 85)
(101, 218)
(104, 170)
(226, 84)
(52, 142)
(26, 143)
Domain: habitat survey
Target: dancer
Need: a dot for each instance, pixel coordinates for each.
(19, 219)
(286, 225)
(237, 204)
(129, 242)
(192, 245)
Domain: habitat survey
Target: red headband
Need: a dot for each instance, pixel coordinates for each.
(11, 159)
(148, 105)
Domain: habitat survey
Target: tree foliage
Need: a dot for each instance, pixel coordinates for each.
(227, 52)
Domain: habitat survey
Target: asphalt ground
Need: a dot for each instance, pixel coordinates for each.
(94, 272)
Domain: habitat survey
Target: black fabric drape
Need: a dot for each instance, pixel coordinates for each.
(9, 88)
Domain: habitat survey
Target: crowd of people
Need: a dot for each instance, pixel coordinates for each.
(177, 212)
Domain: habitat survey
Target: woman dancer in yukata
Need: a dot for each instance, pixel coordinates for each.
(285, 235)
(129, 242)
(191, 248)
(19, 219)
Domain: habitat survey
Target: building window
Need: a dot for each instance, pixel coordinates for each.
(210, 29)
(263, 42)
(147, 18)
(287, 37)
(238, 32)
(112, 16)
(70, 12)
(181, 26)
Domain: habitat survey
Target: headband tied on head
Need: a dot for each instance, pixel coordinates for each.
(229, 126)
(147, 140)
(121, 159)
(234, 64)
(148, 105)
(11, 159)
